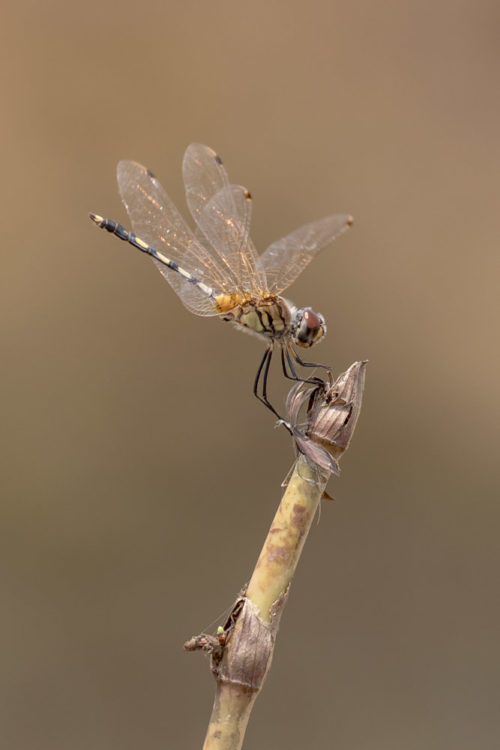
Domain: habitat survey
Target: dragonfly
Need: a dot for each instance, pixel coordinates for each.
(216, 270)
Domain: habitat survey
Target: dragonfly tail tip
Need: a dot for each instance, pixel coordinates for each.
(95, 218)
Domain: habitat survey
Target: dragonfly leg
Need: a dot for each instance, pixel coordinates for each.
(287, 360)
(263, 371)
(307, 364)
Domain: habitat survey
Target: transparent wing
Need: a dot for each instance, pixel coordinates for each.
(156, 220)
(284, 260)
(204, 175)
(225, 223)
(193, 298)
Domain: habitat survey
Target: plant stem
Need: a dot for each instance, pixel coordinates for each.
(282, 549)
(250, 645)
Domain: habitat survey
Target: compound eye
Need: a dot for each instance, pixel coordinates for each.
(312, 319)
(311, 329)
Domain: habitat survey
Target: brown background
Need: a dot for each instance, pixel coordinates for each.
(139, 475)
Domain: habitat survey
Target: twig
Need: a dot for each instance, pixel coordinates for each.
(243, 649)
(250, 644)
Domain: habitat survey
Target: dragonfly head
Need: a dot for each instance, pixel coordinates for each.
(308, 327)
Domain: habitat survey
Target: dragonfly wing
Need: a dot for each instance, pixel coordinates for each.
(191, 296)
(256, 283)
(204, 175)
(284, 260)
(156, 220)
(225, 224)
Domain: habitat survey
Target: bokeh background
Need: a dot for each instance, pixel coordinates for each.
(139, 475)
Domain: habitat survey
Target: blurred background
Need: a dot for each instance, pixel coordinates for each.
(139, 475)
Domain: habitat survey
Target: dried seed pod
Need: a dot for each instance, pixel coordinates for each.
(331, 415)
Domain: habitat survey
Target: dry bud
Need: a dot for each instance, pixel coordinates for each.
(331, 415)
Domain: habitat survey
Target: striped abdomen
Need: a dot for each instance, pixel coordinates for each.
(124, 234)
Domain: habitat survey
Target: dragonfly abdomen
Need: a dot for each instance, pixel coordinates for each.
(132, 239)
(269, 317)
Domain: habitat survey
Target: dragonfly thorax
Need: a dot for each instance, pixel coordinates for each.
(270, 317)
(307, 327)
(275, 318)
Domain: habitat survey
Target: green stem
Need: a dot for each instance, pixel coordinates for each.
(249, 650)
(282, 549)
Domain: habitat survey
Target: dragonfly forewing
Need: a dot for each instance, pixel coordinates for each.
(204, 175)
(285, 259)
(225, 223)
